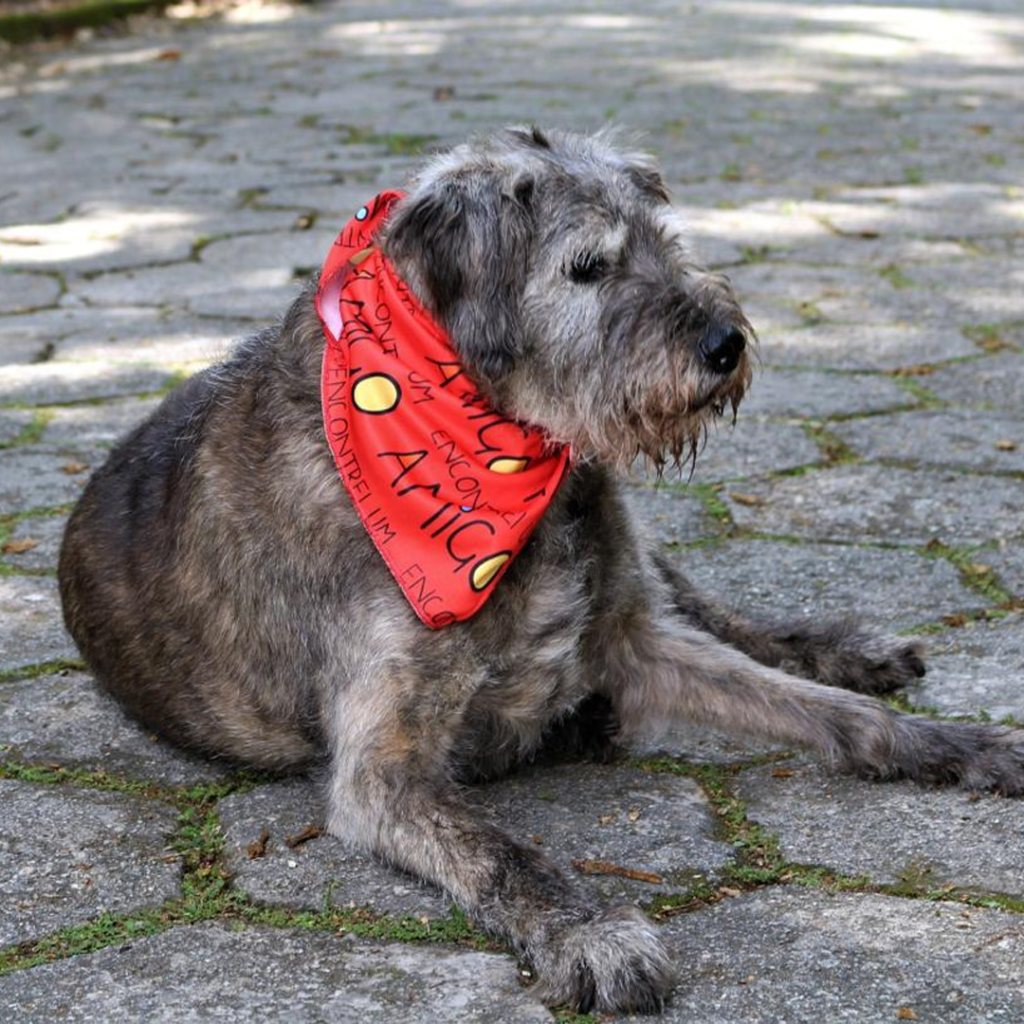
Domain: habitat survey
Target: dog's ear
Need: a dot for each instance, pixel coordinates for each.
(468, 238)
(428, 231)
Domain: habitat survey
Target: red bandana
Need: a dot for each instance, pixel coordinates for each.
(448, 489)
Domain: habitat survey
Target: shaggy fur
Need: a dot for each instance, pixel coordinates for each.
(220, 585)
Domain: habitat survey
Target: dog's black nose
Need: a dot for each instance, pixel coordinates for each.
(722, 347)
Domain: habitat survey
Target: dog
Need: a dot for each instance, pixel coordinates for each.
(225, 588)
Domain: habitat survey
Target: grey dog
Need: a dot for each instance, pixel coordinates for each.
(221, 586)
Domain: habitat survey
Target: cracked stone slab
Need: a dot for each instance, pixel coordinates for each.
(235, 976)
(951, 437)
(33, 630)
(883, 503)
(66, 719)
(997, 381)
(53, 383)
(777, 580)
(67, 855)
(885, 830)
(32, 478)
(655, 823)
(45, 534)
(22, 292)
(671, 516)
(810, 394)
(977, 668)
(802, 957)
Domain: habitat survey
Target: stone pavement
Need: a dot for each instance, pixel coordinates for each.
(857, 170)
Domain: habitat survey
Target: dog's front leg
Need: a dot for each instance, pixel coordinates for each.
(390, 794)
(662, 670)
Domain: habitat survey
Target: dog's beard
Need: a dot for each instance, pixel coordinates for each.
(663, 428)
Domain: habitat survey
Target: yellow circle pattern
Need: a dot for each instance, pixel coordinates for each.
(507, 464)
(375, 393)
(485, 570)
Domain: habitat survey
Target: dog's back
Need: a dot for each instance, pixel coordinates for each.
(136, 577)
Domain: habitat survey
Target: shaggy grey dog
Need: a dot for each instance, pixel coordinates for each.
(220, 585)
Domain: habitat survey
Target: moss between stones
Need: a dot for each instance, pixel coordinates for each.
(208, 894)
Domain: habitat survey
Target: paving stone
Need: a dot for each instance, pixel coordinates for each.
(46, 533)
(22, 292)
(804, 957)
(1008, 562)
(103, 235)
(948, 437)
(97, 426)
(126, 334)
(212, 972)
(34, 478)
(885, 830)
(881, 503)
(568, 807)
(777, 580)
(995, 381)
(953, 209)
(753, 446)
(49, 383)
(578, 812)
(809, 394)
(67, 855)
(865, 346)
(12, 423)
(977, 668)
(32, 631)
(317, 871)
(66, 719)
(699, 745)
(671, 515)
(254, 277)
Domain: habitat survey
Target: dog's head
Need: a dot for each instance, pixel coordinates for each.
(562, 276)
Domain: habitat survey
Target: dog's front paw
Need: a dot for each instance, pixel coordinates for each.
(869, 663)
(978, 757)
(613, 963)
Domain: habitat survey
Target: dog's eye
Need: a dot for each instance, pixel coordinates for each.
(587, 267)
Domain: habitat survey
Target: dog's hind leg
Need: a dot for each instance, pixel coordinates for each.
(389, 793)
(662, 670)
(838, 653)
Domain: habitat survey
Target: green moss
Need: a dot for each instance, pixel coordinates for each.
(834, 449)
(46, 24)
(708, 496)
(895, 276)
(916, 389)
(42, 668)
(396, 143)
(992, 337)
(974, 574)
(32, 432)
